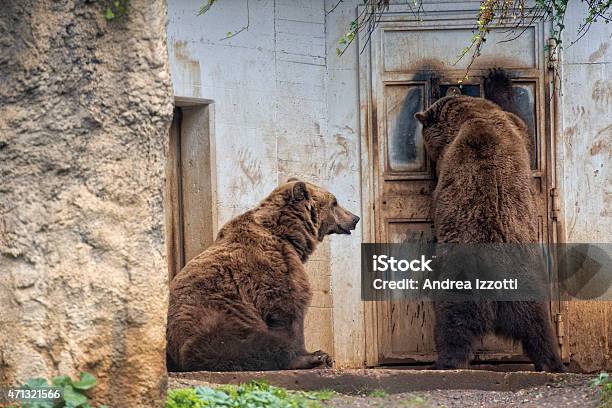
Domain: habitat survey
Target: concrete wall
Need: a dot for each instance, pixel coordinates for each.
(285, 105)
(585, 136)
(85, 107)
(584, 153)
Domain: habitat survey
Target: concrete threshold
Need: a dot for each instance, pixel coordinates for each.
(357, 381)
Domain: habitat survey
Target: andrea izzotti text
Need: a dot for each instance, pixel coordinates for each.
(383, 264)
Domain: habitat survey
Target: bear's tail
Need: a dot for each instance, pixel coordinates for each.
(478, 137)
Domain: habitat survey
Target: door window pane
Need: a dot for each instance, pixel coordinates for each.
(405, 152)
(524, 97)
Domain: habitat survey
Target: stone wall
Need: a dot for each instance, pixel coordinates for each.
(85, 106)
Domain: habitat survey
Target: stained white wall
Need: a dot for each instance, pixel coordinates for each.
(585, 137)
(285, 105)
(584, 150)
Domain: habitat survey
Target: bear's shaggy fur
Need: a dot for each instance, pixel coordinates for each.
(483, 196)
(240, 304)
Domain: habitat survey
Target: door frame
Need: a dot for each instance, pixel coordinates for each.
(369, 155)
(174, 192)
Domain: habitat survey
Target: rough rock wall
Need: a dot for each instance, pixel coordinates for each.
(85, 107)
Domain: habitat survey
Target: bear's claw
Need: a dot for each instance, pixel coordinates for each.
(318, 359)
(323, 358)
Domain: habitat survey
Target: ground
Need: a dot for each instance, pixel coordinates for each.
(574, 392)
(411, 388)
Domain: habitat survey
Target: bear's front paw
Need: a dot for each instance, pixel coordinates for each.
(318, 359)
(323, 359)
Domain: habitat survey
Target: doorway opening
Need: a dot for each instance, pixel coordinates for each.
(190, 183)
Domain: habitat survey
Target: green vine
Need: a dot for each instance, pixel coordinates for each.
(505, 13)
(367, 20)
(205, 7)
(515, 14)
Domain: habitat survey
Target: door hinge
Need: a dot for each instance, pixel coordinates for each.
(554, 203)
(560, 333)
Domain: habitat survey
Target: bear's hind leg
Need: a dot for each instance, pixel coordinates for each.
(238, 350)
(458, 324)
(529, 323)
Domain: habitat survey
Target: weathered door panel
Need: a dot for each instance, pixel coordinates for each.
(189, 184)
(410, 67)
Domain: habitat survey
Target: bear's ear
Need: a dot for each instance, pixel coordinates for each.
(300, 191)
(421, 117)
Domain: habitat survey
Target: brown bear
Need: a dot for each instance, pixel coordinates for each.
(240, 304)
(483, 196)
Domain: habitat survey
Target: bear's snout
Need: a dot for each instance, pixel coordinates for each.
(348, 222)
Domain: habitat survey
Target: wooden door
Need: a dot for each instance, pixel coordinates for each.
(189, 199)
(408, 65)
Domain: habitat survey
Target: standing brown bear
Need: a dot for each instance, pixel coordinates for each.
(483, 196)
(240, 304)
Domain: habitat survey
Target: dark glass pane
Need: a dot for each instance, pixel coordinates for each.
(524, 97)
(404, 142)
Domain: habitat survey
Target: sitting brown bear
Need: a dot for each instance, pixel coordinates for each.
(240, 304)
(483, 196)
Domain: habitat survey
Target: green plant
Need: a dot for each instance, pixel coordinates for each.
(185, 398)
(322, 395)
(517, 15)
(253, 394)
(116, 8)
(506, 13)
(604, 382)
(74, 392)
(512, 14)
(377, 394)
(601, 379)
(606, 395)
(414, 401)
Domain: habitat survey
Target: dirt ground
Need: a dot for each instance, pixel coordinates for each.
(571, 392)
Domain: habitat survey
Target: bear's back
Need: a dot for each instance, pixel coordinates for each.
(483, 192)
